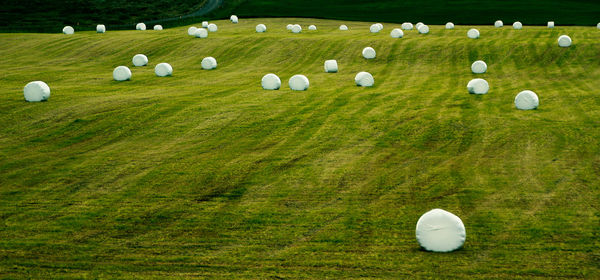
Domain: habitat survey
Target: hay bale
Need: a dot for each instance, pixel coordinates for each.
(201, 33)
(551, 24)
(158, 27)
(343, 27)
(140, 26)
(100, 28)
(270, 82)
(374, 28)
(598, 25)
(564, 41)
(440, 231)
(419, 24)
(479, 67)
(289, 27)
(473, 33)
(209, 63)
(397, 33)
(296, 28)
(407, 26)
(192, 30)
(527, 100)
(36, 91)
(517, 25)
(498, 24)
(369, 53)
(205, 24)
(380, 26)
(331, 66)
(478, 86)
(261, 28)
(68, 30)
(233, 19)
(449, 25)
(364, 79)
(298, 82)
(312, 27)
(121, 73)
(213, 27)
(139, 60)
(423, 29)
(163, 69)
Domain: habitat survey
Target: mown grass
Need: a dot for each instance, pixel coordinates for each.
(204, 174)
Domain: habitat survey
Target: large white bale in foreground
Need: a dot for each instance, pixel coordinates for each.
(498, 24)
(364, 79)
(201, 33)
(271, 82)
(158, 27)
(213, 27)
(140, 26)
(527, 100)
(163, 69)
(209, 63)
(478, 86)
(121, 73)
(100, 28)
(192, 30)
(551, 24)
(397, 33)
(68, 30)
(449, 25)
(36, 91)
(234, 19)
(296, 28)
(517, 25)
(473, 33)
(343, 27)
(374, 28)
(479, 67)
(139, 60)
(440, 231)
(205, 24)
(312, 27)
(423, 29)
(564, 41)
(331, 66)
(298, 82)
(261, 28)
(369, 53)
(407, 26)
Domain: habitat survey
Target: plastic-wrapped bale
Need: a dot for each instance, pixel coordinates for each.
(289, 27)
(158, 27)
(121, 73)
(68, 30)
(407, 26)
(380, 26)
(209, 63)
(140, 26)
(473, 33)
(564, 41)
(440, 231)
(343, 27)
(163, 69)
(419, 24)
(423, 29)
(298, 82)
(213, 27)
(364, 79)
(201, 33)
(449, 25)
(261, 28)
(517, 25)
(527, 100)
(598, 25)
(296, 28)
(234, 19)
(498, 24)
(369, 53)
(205, 24)
(100, 28)
(139, 60)
(312, 27)
(478, 86)
(270, 82)
(331, 66)
(192, 30)
(478, 67)
(551, 24)
(36, 91)
(374, 28)
(397, 33)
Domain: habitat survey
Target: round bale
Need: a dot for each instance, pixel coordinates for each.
(36, 91)
(527, 100)
(478, 67)
(478, 86)
(440, 231)
(271, 82)
(369, 53)
(209, 63)
(163, 69)
(331, 66)
(397, 33)
(364, 79)
(298, 82)
(139, 60)
(121, 73)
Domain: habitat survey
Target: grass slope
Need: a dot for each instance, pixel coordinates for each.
(204, 174)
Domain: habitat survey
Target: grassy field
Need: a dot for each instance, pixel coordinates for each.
(204, 174)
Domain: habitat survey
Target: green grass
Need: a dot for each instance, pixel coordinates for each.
(204, 174)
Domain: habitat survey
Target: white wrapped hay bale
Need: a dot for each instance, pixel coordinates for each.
(331, 66)
(192, 30)
(163, 69)
(527, 100)
(121, 73)
(473, 33)
(397, 33)
(289, 27)
(298, 82)
(233, 19)
(36, 91)
(369, 53)
(374, 28)
(478, 86)
(139, 60)
(261, 28)
(364, 79)
(209, 63)
(68, 30)
(213, 27)
(201, 33)
(517, 25)
(205, 24)
(419, 24)
(498, 24)
(158, 27)
(449, 25)
(598, 25)
(564, 41)
(440, 231)
(343, 27)
(140, 26)
(296, 28)
(551, 24)
(423, 29)
(380, 26)
(270, 82)
(100, 28)
(478, 67)
(312, 27)
(407, 26)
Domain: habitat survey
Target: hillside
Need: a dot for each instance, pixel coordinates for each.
(204, 174)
